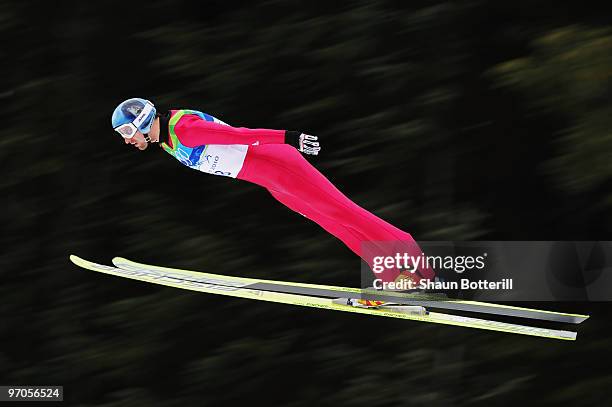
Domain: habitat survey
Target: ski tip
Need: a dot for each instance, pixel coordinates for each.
(74, 259)
(118, 259)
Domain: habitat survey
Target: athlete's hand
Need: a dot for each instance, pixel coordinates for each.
(305, 143)
(309, 144)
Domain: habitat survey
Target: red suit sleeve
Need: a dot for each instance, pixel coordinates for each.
(193, 131)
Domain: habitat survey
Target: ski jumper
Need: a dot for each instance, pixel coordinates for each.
(261, 156)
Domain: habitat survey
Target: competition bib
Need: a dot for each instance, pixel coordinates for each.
(216, 159)
(224, 160)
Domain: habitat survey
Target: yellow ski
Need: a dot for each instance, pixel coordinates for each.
(235, 287)
(429, 301)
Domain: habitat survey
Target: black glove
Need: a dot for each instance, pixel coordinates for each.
(305, 143)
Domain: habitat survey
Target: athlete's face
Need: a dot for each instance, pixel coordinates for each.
(137, 141)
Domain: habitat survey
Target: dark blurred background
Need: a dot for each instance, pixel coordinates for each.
(453, 120)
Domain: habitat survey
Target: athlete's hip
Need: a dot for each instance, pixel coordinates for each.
(268, 162)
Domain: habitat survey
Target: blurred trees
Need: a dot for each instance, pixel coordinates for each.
(567, 78)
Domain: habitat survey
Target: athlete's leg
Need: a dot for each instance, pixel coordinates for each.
(349, 237)
(352, 238)
(282, 169)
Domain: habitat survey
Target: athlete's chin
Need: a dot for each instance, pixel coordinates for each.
(143, 147)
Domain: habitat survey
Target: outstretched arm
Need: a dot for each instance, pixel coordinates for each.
(192, 131)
